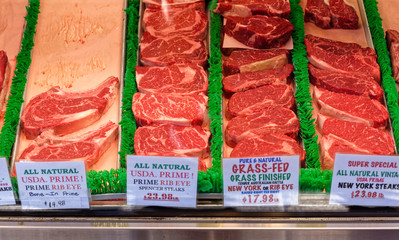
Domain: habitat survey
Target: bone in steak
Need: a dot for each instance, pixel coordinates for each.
(4, 80)
(393, 45)
(88, 146)
(349, 83)
(178, 79)
(245, 8)
(170, 50)
(66, 112)
(270, 120)
(352, 108)
(171, 140)
(268, 145)
(169, 108)
(259, 31)
(342, 57)
(255, 100)
(318, 12)
(254, 60)
(243, 81)
(354, 136)
(343, 15)
(175, 23)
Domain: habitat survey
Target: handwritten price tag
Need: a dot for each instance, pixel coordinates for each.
(6, 192)
(261, 181)
(162, 181)
(52, 185)
(365, 180)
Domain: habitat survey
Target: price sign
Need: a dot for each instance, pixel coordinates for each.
(6, 192)
(162, 181)
(52, 185)
(365, 180)
(261, 181)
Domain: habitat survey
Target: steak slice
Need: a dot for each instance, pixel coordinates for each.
(66, 112)
(351, 137)
(171, 50)
(246, 8)
(270, 120)
(179, 79)
(349, 83)
(187, 23)
(87, 147)
(342, 57)
(171, 140)
(259, 31)
(255, 100)
(254, 60)
(393, 45)
(318, 12)
(184, 110)
(4, 80)
(248, 80)
(352, 108)
(343, 15)
(268, 145)
(200, 6)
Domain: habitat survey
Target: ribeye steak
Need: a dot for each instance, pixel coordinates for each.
(392, 37)
(318, 12)
(4, 80)
(66, 112)
(88, 146)
(343, 15)
(169, 108)
(179, 79)
(245, 8)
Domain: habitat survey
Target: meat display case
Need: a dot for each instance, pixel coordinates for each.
(109, 216)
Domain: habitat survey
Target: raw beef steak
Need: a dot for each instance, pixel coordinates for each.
(4, 80)
(247, 80)
(171, 140)
(179, 79)
(185, 110)
(246, 8)
(175, 23)
(393, 45)
(351, 137)
(259, 31)
(317, 11)
(255, 100)
(200, 6)
(66, 112)
(268, 145)
(352, 108)
(342, 57)
(171, 50)
(349, 83)
(270, 120)
(254, 60)
(343, 15)
(88, 146)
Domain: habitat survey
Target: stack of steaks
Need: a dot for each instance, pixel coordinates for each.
(171, 105)
(351, 118)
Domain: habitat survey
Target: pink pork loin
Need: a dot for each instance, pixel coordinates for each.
(270, 120)
(87, 147)
(157, 51)
(351, 137)
(349, 83)
(352, 108)
(255, 100)
(67, 112)
(318, 12)
(342, 57)
(259, 31)
(254, 60)
(179, 79)
(187, 23)
(243, 81)
(246, 8)
(184, 110)
(392, 37)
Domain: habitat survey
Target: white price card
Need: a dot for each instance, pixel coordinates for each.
(6, 192)
(365, 180)
(52, 185)
(261, 181)
(162, 181)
